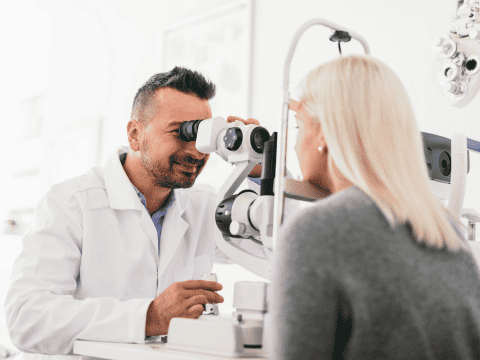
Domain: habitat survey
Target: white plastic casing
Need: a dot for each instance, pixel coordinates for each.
(474, 34)
(217, 336)
(209, 277)
(261, 216)
(245, 152)
(250, 295)
(240, 211)
(441, 191)
(214, 335)
(207, 134)
(459, 173)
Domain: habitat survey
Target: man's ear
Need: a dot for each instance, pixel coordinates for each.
(134, 132)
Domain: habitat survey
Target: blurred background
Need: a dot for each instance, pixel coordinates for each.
(70, 70)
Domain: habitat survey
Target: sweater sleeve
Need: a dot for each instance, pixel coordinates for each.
(42, 314)
(310, 311)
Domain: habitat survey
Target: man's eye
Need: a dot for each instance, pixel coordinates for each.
(177, 133)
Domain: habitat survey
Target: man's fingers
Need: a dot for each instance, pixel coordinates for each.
(196, 300)
(234, 118)
(196, 310)
(212, 297)
(249, 121)
(201, 284)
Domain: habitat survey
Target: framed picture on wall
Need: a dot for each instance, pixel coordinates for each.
(218, 44)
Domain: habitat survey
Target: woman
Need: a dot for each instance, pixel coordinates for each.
(378, 269)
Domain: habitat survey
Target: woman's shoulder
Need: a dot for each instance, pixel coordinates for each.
(333, 228)
(351, 204)
(347, 200)
(349, 214)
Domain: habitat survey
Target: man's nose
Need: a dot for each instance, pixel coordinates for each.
(193, 152)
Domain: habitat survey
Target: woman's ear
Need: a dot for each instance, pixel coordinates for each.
(134, 132)
(321, 139)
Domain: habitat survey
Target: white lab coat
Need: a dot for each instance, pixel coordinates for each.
(89, 266)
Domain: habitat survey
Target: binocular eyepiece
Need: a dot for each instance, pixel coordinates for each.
(188, 130)
(233, 137)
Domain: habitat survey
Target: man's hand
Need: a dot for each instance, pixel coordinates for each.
(249, 121)
(257, 170)
(181, 299)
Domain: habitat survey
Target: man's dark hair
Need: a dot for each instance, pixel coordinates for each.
(179, 78)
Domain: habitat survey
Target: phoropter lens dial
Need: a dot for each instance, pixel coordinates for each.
(233, 138)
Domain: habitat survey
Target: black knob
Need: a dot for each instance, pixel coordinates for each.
(233, 138)
(223, 216)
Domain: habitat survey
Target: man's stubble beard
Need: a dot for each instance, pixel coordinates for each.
(166, 177)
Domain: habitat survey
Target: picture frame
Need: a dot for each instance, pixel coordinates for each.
(218, 44)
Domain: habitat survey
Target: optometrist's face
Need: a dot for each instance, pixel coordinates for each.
(313, 163)
(172, 162)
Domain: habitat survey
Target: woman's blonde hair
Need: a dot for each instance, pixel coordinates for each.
(373, 140)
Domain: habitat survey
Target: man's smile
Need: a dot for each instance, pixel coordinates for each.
(187, 167)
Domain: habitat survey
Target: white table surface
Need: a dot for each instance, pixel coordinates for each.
(149, 351)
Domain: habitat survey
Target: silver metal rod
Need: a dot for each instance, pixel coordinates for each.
(282, 143)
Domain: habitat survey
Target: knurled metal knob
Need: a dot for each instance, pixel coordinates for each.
(449, 49)
(237, 228)
(438, 41)
(452, 88)
(474, 34)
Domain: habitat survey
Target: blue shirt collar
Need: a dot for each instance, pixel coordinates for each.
(163, 209)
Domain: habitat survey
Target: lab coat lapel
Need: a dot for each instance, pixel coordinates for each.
(123, 196)
(149, 227)
(173, 231)
(121, 193)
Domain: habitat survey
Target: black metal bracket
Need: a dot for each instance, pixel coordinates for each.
(339, 37)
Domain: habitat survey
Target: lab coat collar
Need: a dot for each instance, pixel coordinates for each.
(122, 194)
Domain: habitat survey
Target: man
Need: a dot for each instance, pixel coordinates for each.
(111, 255)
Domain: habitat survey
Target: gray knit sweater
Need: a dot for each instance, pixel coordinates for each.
(347, 285)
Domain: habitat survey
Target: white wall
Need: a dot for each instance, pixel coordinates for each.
(400, 33)
(92, 56)
(100, 52)
(23, 73)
